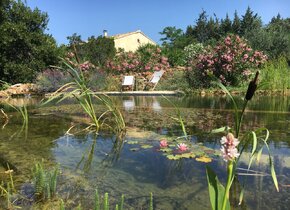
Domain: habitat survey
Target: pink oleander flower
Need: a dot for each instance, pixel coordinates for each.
(229, 150)
(163, 143)
(182, 147)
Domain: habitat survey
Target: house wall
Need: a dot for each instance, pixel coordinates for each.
(132, 42)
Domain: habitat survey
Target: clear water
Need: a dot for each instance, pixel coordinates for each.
(119, 167)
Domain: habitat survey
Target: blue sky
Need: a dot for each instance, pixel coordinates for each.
(91, 17)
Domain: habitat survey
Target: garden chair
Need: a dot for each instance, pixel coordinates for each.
(156, 77)
(128, 82)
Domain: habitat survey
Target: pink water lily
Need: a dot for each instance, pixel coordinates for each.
(163, 143)
(182, 147)
(229, 150)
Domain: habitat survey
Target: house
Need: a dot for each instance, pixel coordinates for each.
(131, 41)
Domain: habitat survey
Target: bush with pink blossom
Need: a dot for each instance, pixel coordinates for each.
(146, 59)
(232, 61)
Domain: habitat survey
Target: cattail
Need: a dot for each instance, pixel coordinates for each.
(252, 87)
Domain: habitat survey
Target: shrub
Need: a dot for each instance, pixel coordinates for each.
(174, 81)
(192, 51)
(146, 59)
(232, 61)
(51, 79)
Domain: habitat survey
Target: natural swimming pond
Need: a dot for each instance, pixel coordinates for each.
(134, 165)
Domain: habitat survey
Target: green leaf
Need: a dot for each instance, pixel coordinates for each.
(254, 143)
(216, 190)
(259, 154)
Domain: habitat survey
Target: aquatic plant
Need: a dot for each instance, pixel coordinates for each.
(151, 202)
(182, 147)
(45, 182)
(79, 90)
(232, 149)
(163, 143)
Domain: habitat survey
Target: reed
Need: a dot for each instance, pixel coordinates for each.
(80, 90)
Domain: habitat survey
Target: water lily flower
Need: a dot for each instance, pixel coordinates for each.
(163, 143)
(229, 150)
(182, 147)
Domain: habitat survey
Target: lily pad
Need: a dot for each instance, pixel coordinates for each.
(132, 142)
(166, 150)
(203, 159)
(173, 157)
(187, 155)
(146, 146)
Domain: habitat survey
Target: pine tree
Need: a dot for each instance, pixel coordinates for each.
(236, 26)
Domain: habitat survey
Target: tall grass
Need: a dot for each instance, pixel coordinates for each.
(275, 75)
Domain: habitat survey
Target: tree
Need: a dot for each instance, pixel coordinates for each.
(173, 44)
(250, 21)
(226, 25)
(25, 49)
(200, 30)
(236, 26)
(99, 50)
(172, 34)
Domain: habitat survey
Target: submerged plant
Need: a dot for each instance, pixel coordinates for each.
(232, 149)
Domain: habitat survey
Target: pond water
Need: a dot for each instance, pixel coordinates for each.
(133, 164)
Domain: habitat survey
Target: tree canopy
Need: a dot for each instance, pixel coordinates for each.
(25, 48)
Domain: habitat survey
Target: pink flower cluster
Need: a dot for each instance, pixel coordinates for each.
(229, 147)
(134, 62)
(230, 60)
(85, 66)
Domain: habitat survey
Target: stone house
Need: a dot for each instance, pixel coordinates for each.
(130, 41)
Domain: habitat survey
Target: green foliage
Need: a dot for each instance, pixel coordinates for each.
(275, 75)
(216, 190)
(44, 182)
(175, 80)
(99, 50)
(273, 39)
(25, 49)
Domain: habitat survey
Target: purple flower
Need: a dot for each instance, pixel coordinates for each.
(229, 150)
